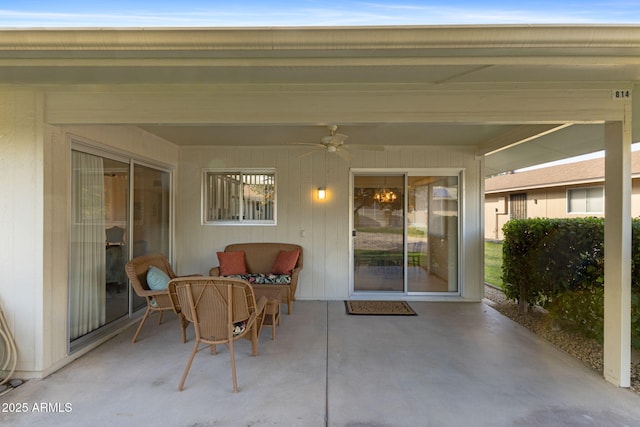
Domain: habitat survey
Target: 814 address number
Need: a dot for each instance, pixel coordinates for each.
(621, 94)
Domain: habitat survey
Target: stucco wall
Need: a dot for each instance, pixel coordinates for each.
(21, 222)
(35, 173)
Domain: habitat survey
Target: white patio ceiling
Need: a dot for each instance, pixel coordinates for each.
(380, 57)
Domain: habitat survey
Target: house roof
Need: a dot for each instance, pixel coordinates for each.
(581, 172)
(411, 82)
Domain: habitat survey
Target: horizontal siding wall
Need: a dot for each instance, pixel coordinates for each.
(320, 227)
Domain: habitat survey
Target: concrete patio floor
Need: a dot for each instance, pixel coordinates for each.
(455, 364)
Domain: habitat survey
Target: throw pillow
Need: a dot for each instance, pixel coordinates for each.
(285, 262)
(232, 263)
(157, 279)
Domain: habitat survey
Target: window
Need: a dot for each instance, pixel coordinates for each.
(233, 196)
(585, 200)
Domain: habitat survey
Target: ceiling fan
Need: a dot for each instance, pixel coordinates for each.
(335, 143)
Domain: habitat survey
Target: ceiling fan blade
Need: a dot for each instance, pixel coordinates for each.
(313, 144)
(367, 147)
(299, 156)
(344, 154)
(340, 137)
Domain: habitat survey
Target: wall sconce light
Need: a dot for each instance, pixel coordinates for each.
(322, 193)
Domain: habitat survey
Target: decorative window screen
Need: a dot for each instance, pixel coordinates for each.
(232, 197)
(518, 206)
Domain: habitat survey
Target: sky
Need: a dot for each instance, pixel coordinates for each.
(237, 13)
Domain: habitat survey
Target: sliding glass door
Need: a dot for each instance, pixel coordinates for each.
(405, 233)
(98, 292)
(378, 233)
(151, 215)
(106, 233)
(432, 234)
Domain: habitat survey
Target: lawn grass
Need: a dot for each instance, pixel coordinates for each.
(493, 263)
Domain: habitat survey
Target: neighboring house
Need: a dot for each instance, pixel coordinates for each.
(189, 140)
(570, 190)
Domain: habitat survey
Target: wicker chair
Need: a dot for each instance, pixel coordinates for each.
(157, 301)
(222, 311)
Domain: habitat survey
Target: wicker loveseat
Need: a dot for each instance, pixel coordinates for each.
(259, 259)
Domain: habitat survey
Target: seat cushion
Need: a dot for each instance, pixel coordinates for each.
(232, 263)
(264, 279)
(285, 262)
(157, 280)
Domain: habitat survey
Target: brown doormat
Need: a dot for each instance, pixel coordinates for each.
(379, 308)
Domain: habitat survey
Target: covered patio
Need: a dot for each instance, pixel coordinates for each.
(454, 364)
(453, 102)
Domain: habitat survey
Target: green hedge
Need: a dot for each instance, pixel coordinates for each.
(559, 264)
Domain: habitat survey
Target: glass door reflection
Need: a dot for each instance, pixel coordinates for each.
(432, 234)
(378, 235)
(151, 215)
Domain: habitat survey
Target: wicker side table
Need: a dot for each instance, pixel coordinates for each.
(272, 309)
(272, 316)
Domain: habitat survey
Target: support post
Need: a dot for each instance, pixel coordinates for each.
(617, 248)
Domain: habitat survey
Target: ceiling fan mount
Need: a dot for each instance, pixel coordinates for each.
(334, 140)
